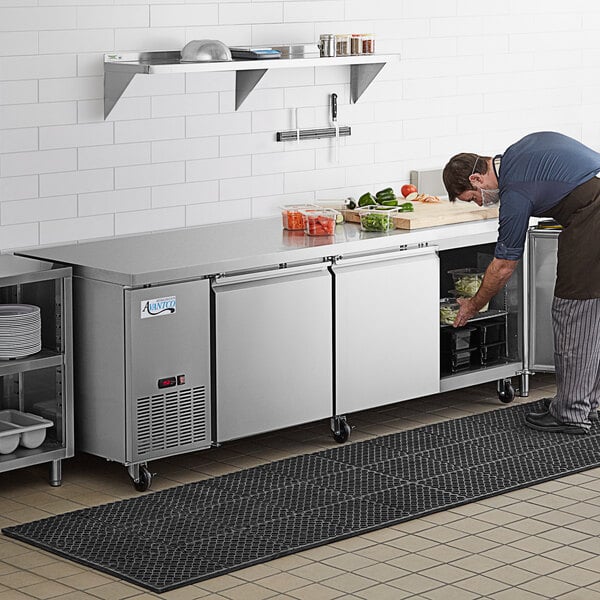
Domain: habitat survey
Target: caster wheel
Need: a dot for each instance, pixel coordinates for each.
(341, 431)
(145, 480)
(507, 394)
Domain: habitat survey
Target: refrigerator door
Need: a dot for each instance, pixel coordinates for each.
(543, 246)
(273, 350)
(387, 331)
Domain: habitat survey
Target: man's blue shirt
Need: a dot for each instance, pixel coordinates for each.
(536, 173)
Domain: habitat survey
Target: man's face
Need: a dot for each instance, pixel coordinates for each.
(471, 196)
(486, 181)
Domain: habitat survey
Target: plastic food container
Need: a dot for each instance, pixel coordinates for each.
(9, 437)
(457, 294)
(448, 310)
(376, 219)
(453, 340)
(31, 429)
(467, 281)
(492, 331)
(320, 221)
(490, 354)
(460, 360)
(292, 217)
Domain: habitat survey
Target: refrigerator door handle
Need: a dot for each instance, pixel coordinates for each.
(352, 261)
(225, 280)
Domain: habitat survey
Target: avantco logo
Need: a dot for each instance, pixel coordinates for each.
(158, 307)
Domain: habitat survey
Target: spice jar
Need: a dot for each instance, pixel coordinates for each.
(356, 43)
(368, 43)
(327, 44)
(342, 44)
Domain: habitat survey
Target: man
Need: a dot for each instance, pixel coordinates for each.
(546, 174)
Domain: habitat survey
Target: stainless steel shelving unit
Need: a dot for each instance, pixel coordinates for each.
(43, 382)
(121, 68)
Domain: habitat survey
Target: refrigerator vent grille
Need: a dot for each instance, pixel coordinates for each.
(172, 420)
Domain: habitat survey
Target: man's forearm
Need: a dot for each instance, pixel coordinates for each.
(495, 278)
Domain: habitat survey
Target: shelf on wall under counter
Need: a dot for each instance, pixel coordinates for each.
(121, 68)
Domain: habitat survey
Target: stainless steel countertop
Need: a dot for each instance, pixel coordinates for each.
(15, 270)
(177, 255)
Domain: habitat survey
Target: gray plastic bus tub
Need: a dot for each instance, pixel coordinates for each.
(32, 428)
(9, 437)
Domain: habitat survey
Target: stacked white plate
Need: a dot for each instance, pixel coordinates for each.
(20, 330)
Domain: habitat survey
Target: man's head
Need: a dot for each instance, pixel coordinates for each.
(465, 174)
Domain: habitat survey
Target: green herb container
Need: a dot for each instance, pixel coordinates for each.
(449, 308)
(377, 219)
(457, 294)
(467, 281)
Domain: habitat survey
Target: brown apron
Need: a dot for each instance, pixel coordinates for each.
(578, 270)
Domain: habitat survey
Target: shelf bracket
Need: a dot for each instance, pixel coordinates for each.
(245, 82)
(115, 83)
(361, 77)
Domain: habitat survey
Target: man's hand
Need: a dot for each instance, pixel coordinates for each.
(494, 279)
(467, 311)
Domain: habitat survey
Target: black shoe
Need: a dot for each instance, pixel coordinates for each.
(546, 422)
(593, 416)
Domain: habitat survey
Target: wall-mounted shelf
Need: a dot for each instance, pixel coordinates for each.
(120, 69)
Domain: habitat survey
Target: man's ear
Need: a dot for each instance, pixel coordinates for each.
(476, 178)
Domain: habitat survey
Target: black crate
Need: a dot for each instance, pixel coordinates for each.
(461, 360)
(463, 338)
(490, 354)
(491, 331)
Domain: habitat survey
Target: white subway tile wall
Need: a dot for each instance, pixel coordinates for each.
(175, 153)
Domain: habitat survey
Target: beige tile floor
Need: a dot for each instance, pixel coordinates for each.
(538, 542)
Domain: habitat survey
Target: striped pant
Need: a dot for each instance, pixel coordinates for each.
(577, 359)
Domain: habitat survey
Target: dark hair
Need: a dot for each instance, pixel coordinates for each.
(458, 170)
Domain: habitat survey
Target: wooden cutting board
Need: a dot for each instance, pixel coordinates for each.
(434, 214)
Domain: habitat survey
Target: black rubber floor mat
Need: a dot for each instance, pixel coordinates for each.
(175, 537)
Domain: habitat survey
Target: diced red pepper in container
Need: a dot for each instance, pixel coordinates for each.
(293, 217)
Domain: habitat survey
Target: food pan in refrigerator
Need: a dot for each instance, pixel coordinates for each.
(491, 331)
(460, 360)
(490, 354)
(462, 338)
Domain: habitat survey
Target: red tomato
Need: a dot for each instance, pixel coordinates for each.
(407, 189)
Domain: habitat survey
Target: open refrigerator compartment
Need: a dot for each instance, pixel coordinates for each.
(31, 413)
(495, 339)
